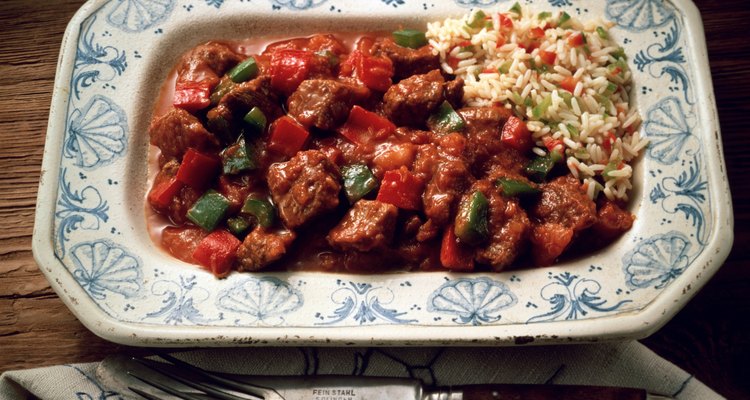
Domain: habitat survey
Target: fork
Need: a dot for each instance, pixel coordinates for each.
(175, 373)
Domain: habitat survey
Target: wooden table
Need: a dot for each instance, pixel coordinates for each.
(709, 338)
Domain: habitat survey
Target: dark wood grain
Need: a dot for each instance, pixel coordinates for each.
(710, 338)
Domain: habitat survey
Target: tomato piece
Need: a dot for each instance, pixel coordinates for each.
(363, 126)
(453, 62)
(192, 96)
(553, 145)
(576, 39)
(609, 139)
(547, 57)
(289, 68)
(287, 136)
(516, 135)
(197, 169)
(217, 252)
(536, 33)
(181, 241)
(455, 255)
(569, 83)
(506, 23)
(402, 189)
(161, 195)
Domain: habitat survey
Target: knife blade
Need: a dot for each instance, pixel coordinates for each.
(112, 372)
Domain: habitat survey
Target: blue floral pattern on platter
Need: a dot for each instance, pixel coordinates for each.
(97, 133)
(657, 261)
(103, 266)
(266, 300)
(85, 209)
(639, 15)
(139, 15)
(476, 301)
(95, 62)
(98, 247)
(572, 297)
(363, 303)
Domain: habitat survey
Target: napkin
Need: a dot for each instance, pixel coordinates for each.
(612, 364)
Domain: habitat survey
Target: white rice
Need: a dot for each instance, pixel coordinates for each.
(597, 127)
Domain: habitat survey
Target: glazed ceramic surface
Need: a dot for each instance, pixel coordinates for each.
(91, 240)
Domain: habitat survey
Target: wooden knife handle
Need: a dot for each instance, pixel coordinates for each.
(544, 392)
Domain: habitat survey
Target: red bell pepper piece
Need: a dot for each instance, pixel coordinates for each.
(287, 136)
(197, 169)
(402, 189)
(547, 57)
(516, 135)
(289, 68)
(373, 72)
(217, 252)
(192, 96)
(569, 83)
(455, 255)
(161, 195)
(362, 126)
(576, 39)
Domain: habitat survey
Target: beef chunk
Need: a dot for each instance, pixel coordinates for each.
(548, 241)
(368, 225)
(406, 61)
(324, 103)
(412, 100)
(611, 222)
(207, 62)
(450, 179)
(454, 92)
(509, 228)
(226, 117)
(483, 144)
(304, 187)
(178, 130)
(261, 247)
(564, 202)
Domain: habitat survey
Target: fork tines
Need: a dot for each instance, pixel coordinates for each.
(177, 378)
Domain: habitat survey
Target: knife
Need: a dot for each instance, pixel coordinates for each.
(113, 373)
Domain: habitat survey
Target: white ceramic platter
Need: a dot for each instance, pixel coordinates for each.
(90, 235)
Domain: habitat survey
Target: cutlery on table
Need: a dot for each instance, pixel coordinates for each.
(175, 379)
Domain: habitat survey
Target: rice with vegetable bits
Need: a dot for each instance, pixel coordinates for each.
(568, 78)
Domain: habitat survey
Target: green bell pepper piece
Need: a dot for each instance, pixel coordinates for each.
(244, 71)
(602, 33)
(262, 210)
(514, 187)
(477, 19)
(542, 107)
(516, 9)
(238, 226)
(224, 86)
(410, 38)
(209, 210)
(471, 221)
(539, 167)
(446, 120)
(358, 182)
(564, 19)
(236, 159)
(256, 119)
